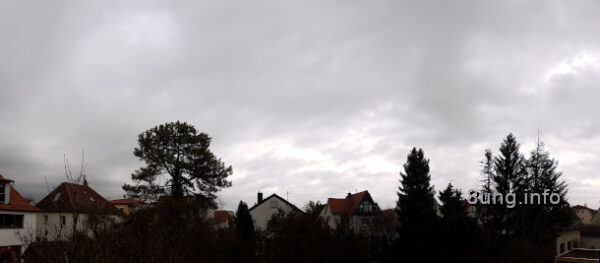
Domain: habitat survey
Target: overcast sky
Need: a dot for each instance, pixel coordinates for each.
(310, 98)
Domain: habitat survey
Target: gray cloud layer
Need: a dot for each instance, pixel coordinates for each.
(315, 99)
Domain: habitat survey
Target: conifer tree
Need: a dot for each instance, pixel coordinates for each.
(243, 222)
(510, 178)
(451, 199)
(415, 207)
(543, 216)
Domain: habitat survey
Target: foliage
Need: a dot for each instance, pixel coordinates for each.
(178, 150)
(415, 206)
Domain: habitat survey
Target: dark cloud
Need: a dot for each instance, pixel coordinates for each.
(308, 100)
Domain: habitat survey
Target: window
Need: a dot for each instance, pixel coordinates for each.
(569, 245)
(2, 192)
(11, 221)
(46, 219)
(63, 220)
(562, 248)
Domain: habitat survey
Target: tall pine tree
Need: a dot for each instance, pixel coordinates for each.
(510, 177)
(544, 217)
(415, 207)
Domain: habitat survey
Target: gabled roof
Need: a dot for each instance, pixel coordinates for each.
(16, 202)
(346, 205)
(69, 197)
(580, 207)
(125, 201)
(279, 197)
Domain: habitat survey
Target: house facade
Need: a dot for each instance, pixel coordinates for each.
(17, 221)
(127, 205)
(68, 208)
(264, 209)
(358, 210)
(584, 214)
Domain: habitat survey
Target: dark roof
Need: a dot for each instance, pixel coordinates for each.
(275, 195)
(68, 197)
(125, 201)
(16, 202)
(347, 205)
(581, 254)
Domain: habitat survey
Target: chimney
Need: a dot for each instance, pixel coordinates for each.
(349, 195)
(260, 197)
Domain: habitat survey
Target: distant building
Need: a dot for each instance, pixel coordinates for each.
(17, 219)
(68, 202)
(567, 239)
(222, 218)
(583, 213)
(360, 211)
(264, 209)
(127, 206)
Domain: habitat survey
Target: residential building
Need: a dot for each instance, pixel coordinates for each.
(567, 239)
(584, 213)
(68, 207)
(590, 236)
(127, 205)
(360, 211)
(264, 209)
(222, 218)
(17, 221)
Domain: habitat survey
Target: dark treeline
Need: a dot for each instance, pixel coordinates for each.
(176, 229)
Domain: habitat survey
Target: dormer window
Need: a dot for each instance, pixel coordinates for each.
(56, 197)
(3, 192)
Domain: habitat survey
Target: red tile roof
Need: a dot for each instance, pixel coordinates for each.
(68, 197)
(347, 205)
(221, 216)
(16, 202)
(125, 201)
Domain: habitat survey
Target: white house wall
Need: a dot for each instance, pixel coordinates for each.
(52, 229)
(263, 213)
(12, 236)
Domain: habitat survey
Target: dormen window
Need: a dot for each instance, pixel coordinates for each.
(11, 221)
(2, 192)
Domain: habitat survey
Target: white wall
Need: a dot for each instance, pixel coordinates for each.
(565, 236)
(53, 230)
(10, 236)
(263, 213)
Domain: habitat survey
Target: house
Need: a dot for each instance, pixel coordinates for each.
(17, 221)
(567, 239)
(69, 207)
(127, 205)
(590, 236)
(584, 213)
(360, 211)
(264, 209)
(222, 218)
